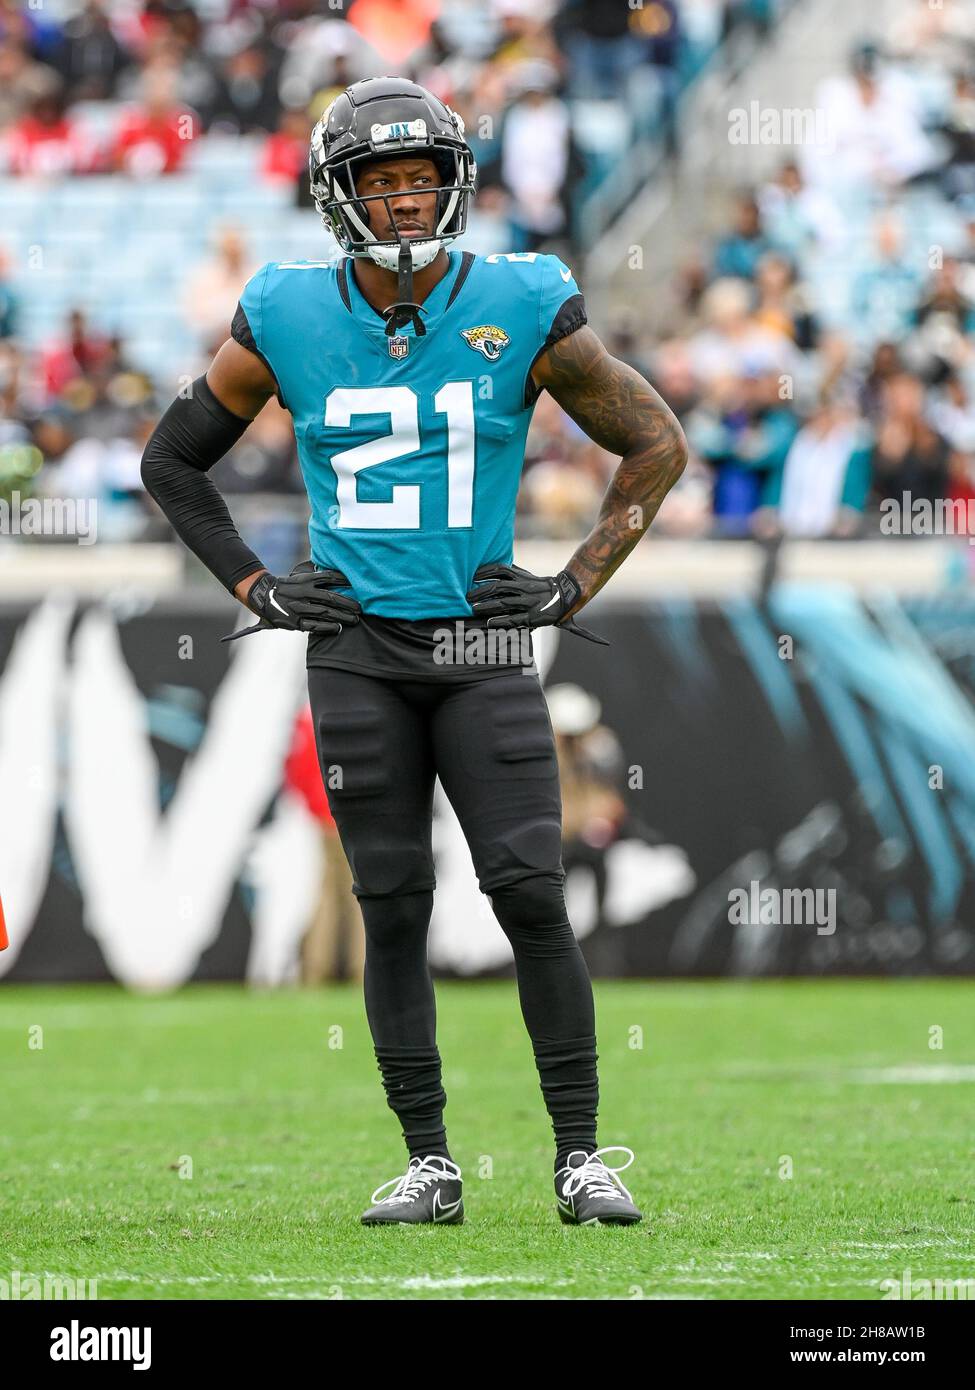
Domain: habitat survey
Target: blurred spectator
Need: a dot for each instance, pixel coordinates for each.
(958, 128)
(47, 141)
(214, 287)
(909, 454)
(885, 292)
(27, 25)
(731, 343)
(945, 319)
(108, 470)
(75, 355)
(560, 499)
(885, 364)
(939, 32)
(874, 128)
(603, 47)
(246, 96)
(154, 137)
(764, 335)
(285, 155)
(22, 81)
(673, 373)
(740, 251)
(536, 157)
(325, 54)
(743, 431)
(622, 339)
(591, 776)
(395, 28)
(334, 945)
(690, 282)
(265, 459)
(175, 44)
(782, 307)
(821, 487)
(8, 298)
(88, 56)
(796, 217)
(953, 414)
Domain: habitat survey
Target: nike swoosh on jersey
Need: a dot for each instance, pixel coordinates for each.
(566, 275)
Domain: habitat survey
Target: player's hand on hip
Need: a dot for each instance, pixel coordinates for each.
(509, 596)
(303, 601)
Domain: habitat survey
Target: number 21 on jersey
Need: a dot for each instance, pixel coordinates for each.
(402, 512)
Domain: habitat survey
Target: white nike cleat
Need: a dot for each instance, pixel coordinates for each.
(589, 1191)
(429, 1191)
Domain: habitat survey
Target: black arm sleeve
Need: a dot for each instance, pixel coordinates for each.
(192, 435)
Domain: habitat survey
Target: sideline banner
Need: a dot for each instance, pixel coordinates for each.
(796, 783)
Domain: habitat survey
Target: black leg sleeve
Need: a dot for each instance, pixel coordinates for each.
(192, 435)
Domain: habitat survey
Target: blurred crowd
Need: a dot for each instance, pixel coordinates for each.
(817, 350)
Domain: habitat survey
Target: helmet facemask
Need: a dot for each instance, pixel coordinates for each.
(346, 214)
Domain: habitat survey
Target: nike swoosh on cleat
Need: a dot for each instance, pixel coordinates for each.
(442, 1213)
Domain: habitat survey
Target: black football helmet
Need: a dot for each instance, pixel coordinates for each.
(382, 116)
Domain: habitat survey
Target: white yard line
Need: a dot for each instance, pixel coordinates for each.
(420, 1281)
(933, 1074)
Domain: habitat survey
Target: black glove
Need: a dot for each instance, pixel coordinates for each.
(509, 596)
(303, 602)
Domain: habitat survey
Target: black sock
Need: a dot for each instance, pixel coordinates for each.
(562, 1153)
(556, 1003)
(411, 1077)
(438, 1151)
(402, 1014)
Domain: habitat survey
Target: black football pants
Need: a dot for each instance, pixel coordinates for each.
(381, 745)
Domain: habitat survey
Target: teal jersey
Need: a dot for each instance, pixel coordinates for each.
(411, 448)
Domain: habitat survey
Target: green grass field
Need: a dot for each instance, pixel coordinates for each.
(287, 1133)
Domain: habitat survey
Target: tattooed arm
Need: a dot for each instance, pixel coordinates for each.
(622, 413)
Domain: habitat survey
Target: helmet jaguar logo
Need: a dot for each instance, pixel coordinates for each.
(487, 338)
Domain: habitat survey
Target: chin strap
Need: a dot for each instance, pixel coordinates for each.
(398, 315)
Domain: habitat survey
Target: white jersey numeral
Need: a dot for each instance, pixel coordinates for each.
(456, 401)
(402, 513)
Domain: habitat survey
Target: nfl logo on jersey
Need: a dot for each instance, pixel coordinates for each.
(399, 347)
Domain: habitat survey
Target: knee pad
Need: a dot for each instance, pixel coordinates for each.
(398, 921)
(388, 867)
(532, 912)
(528, 847)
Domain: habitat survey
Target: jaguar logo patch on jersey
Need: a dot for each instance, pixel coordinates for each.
(487, 338)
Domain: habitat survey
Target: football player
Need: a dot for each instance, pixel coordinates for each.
(411, 371)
